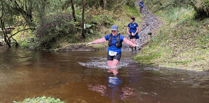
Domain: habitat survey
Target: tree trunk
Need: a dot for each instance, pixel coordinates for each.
(89, 3)
(3, 28)
(83, 2)
(5, 34)
(101, 3)
(73, 9)
(105, 4)
(28, 15)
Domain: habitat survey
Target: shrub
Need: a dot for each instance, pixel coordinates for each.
(54, 27)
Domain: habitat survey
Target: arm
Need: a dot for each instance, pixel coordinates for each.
(137, 30)
(140, 4)
(97, 41)
(129, 42)
(128, 30)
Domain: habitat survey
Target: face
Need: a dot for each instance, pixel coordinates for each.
(114, 32)
(131, 20)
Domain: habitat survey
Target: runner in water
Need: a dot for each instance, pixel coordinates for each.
(132, 31)
(114, 49)
(141, 4)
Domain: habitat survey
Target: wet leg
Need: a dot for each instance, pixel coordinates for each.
(134, 41)
(109, 63)
(113, 66)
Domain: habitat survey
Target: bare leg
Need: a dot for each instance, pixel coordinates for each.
(140, 10)
(113, 65)
(115, 72)
(109, 63)
(134, 41)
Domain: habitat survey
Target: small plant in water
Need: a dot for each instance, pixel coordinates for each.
(41, 100)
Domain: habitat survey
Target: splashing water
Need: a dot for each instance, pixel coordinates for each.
(102, 63)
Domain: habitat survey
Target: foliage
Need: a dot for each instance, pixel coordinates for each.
(200, 7)
(57, 27)
(41, 100)
(44, 15)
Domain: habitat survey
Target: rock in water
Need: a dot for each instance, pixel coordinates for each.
(1, 44)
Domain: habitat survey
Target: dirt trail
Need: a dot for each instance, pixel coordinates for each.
(148, 28)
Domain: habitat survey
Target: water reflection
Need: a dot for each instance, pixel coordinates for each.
(115, 88)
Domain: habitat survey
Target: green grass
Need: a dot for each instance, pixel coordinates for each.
(147, 59)
(133, 10)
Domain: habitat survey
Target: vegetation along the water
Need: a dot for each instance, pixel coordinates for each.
(57, 24)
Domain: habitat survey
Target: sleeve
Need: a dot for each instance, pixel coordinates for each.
(106, 37)
(122, 37)
(137, 25)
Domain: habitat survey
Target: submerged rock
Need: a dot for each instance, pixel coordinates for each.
(1, 44)
(77, 48)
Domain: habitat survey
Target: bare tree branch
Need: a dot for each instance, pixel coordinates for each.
(22, 11)
(19, 31)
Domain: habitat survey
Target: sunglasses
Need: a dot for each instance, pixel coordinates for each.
(113, 30)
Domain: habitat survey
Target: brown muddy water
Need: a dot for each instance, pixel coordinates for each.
(82, 77)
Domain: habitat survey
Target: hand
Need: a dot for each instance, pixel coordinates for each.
(134, 34)
(88, 44)
(129, 33)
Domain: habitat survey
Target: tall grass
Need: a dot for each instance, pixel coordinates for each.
(181, 43)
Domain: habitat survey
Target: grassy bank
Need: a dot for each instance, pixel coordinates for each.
(181, 43)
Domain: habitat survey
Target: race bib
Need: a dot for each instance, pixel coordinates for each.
(132, 34)
(112, 53)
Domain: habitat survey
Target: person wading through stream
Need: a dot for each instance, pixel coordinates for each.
(115, 44)
(132, 31)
